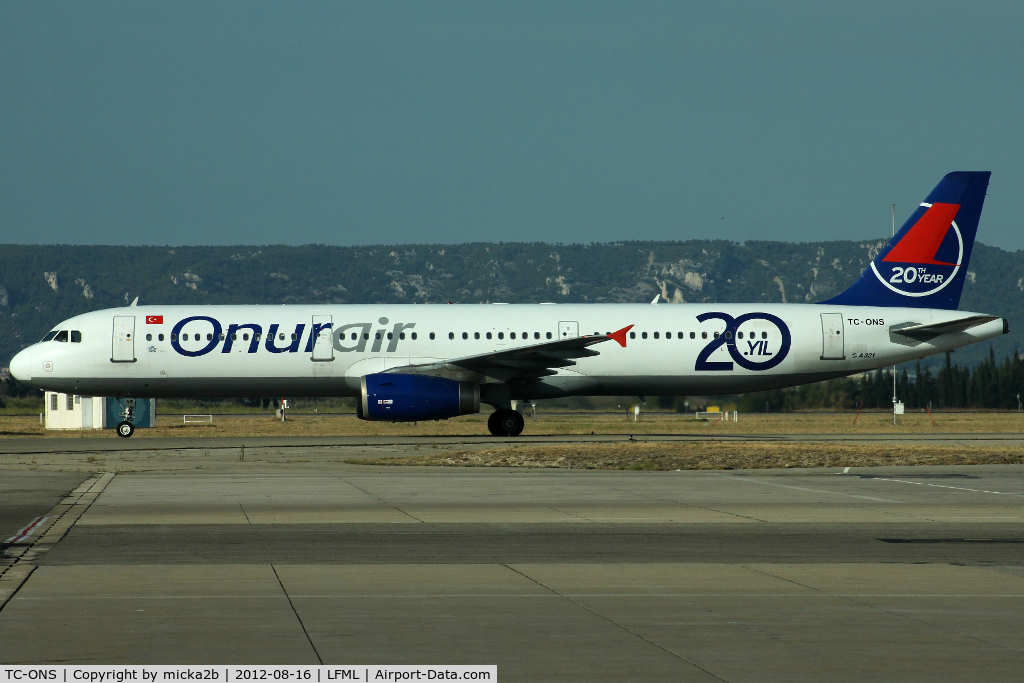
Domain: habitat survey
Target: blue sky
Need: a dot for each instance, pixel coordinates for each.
(355, 123)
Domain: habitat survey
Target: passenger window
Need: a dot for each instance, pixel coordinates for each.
(681, 335)
(488, 335)
(414, 336)
(764, 335)
(401, 335)
(280, 337)
(76, 337)
(632, 335)
(476, 335)
(174, 337)
(739, 335)
(376, 335)
(465, 335)
(656, 335)
(50, 335)
(716, 335)
(511, 335)
(209, 336)
(501, 335)
(255, 336)
(389, 335)
(703, 335)
(451, 335)
(366, 336)
(549, 335)
(149, 337)
(526, 335)
(62, 336)
(643, 335)
(160, 337)
(536, 335)
(728, 334)
(668, 335)
(293, 336)
(245, 337)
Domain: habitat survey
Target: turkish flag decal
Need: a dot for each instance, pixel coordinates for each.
(154, 320)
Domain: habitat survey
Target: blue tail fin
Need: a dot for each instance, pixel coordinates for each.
(925, 264)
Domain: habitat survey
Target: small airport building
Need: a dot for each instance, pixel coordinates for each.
(71, 411)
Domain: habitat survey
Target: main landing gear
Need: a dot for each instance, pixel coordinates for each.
(506, 423)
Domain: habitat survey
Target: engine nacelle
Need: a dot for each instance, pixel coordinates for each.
(411, 398)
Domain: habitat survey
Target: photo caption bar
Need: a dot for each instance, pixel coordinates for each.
(230, 674)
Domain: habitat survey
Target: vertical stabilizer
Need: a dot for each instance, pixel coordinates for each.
(925, 264)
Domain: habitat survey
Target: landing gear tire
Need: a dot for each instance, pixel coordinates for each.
(125, 429)
(506, 423)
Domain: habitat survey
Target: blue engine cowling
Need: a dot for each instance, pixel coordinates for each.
(410, 398)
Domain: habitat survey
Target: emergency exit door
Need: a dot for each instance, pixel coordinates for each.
(832, 345)
(123, 344)
(323, 348)
(568, 330)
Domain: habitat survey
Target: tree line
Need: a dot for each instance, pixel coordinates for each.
(989, 385)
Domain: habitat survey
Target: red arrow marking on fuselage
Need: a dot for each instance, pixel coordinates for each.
(620, 335)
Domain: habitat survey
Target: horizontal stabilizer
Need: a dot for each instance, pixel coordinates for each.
(932, 330)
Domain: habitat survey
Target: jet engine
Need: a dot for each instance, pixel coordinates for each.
(411, 398)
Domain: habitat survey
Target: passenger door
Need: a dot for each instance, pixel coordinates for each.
(323, 348)
(832, 346)
(123, 343)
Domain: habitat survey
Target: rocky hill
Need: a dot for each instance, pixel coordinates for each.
(41, 285)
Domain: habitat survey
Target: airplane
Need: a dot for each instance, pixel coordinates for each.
(406, 363)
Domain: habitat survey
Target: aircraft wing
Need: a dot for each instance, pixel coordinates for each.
(932, 330)
(524, 362)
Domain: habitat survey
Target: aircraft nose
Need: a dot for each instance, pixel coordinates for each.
(21, 366)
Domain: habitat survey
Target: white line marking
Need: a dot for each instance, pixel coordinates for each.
(944, 486)
(801, 488)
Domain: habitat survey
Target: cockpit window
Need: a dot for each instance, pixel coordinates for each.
(76, 336)
(50, 335)
(62, 336)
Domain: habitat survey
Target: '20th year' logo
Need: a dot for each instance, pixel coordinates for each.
(756, 357)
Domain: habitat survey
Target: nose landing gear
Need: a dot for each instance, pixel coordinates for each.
(506, 423)
(125, 428)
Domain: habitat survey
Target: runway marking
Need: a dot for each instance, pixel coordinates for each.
(27, 531)
(943, 486)
(751, 480)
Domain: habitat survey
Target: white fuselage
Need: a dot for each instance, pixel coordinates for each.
(668, 350)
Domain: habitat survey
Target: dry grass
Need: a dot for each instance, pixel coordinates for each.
(713, 455)
(575, 423)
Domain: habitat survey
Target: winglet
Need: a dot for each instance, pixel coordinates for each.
(620, 335)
